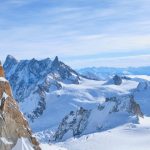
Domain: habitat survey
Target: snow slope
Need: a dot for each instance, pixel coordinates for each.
(125, 137)
(23, 144)
(52, 147)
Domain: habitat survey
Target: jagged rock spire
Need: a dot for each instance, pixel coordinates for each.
(56, 59)
(55, 63)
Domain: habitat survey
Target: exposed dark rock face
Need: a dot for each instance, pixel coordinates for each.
(75, 123)
(125, 103)
(117, 80)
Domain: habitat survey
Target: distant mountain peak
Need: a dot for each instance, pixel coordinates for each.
(117, 80)
(55, 63)
(56, 59)
(10, 57)
(10, 62)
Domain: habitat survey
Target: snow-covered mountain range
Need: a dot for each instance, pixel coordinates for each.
(76, 112)
(102, 73)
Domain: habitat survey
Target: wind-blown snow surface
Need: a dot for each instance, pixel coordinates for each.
(51, 147)
(126, 137)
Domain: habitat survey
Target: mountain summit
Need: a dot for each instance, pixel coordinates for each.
(55, 63)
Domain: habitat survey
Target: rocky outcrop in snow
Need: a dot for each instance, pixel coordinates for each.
(144, 85)
(73, 124)
(117, 80)
(114, 112)
(12, 123)
(105, 116)
(124, 103)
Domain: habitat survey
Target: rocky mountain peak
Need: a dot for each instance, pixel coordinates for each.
(10, 57)
(13, 125)
(56, 60)
(55, 63)
(10, 61)
(117, 80)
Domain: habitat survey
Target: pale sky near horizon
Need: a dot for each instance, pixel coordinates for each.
(81, 32)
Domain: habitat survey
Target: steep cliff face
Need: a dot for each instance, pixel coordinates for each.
(124, 103)
(73, 124)
(13, 125)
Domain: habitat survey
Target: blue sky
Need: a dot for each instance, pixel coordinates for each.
(81, 32)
